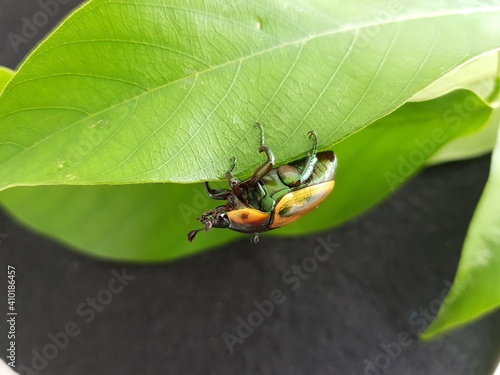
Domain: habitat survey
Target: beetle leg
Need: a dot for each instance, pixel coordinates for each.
(307, 170)
(233, 165)
(266, 202)
(219, 194)
(292, 176)
(234, 183)
(312, 135)
(265, 168)
(262, 141)
(268, 165)
(311, 160)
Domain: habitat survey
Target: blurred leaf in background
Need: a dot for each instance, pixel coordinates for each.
(475, 291)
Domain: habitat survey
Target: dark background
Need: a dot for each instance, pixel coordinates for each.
(390, 265)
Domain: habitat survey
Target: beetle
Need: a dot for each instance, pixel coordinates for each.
(273, 196)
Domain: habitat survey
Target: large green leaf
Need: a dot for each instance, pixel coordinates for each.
(476, 288)
(150, 222)
(129, 92)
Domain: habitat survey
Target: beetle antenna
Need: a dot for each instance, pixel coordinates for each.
(193, 233)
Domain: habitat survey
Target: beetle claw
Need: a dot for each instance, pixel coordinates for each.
(255, 238)
(312, 135)
(261, 134)
(233, 165)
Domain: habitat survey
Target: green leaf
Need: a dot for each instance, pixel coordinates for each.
(141, 223)
(150, 222)
(472, 145)
(170, 91)
(476, 288)
(480, 76)
(5, 76)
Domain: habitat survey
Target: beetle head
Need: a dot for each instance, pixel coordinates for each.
(216, 218)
